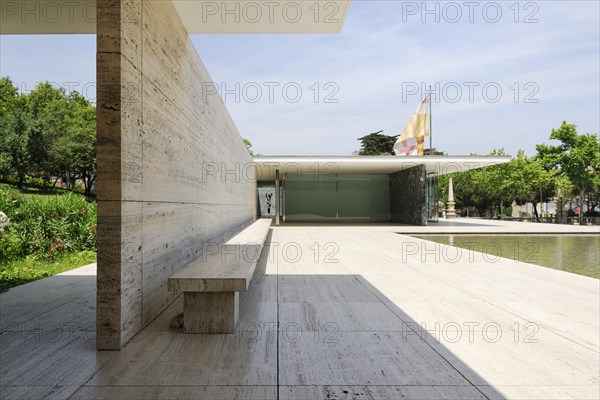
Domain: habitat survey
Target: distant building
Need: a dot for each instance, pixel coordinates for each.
(359, 189)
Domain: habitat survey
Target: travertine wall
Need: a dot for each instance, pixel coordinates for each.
(408, 196)
(163, 149)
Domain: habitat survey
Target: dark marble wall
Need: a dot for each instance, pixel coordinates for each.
(408, 196)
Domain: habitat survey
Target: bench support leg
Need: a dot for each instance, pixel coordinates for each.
(210, 312)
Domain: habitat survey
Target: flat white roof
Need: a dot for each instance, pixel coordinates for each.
(366, 165)
(234, 16)
(198, 16)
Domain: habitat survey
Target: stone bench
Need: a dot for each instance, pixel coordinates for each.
(211, 284)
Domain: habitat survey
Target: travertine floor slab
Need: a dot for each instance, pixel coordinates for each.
(338, 288)
(176, 392)
(543, 358)
(541, 392)
(355, 358)
(30, 392)
(350, 392)
(377, 323)
(32, 358)
(47, 364)
(73, 291)
(173, 358)
(365, 316)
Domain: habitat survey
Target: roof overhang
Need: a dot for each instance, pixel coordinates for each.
(234, 16)
(198, 16)
(366, 165)
(47, 17)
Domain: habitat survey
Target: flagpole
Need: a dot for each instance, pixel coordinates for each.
(430, 131)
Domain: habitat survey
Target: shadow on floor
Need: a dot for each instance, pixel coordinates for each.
(313, 336)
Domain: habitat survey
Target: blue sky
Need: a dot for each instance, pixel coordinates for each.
(370, 76)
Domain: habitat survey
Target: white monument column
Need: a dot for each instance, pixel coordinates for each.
(450, 213)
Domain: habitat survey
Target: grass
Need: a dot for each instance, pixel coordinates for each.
(50, 231)
(18, 272)
(29, 192)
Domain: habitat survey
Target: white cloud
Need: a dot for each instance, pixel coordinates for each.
(369, 62)
(377, 53)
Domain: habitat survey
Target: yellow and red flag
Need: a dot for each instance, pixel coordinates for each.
(412, 140)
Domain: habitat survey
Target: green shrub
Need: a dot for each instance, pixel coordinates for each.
(45, 226)
(34, 181)
(8, 203)
(507, 211)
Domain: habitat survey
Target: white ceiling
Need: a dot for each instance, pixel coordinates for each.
(367, 165)
(198, 16)
(235, 16)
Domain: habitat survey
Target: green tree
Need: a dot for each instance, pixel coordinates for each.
(488, 190)
(249, 146)
(15, 139)
(576, 157)
(15, 129)
(8, 96)
(75, 149)
(48, 107)
(471, 192)
(524, 180)
(47, 132)
(477, 190)
(375, 144)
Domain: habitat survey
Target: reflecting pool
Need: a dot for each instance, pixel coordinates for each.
(579, 254)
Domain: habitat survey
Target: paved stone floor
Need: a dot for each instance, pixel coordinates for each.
(333, 312)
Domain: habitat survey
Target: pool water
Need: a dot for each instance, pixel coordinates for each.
(579, 254)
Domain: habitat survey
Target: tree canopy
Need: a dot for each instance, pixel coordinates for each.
(45, 133)
(571, 167)
(376, 143)
(249, 148)
(576, 159)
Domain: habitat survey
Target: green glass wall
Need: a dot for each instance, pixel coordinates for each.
(308, 200)
(344, 198)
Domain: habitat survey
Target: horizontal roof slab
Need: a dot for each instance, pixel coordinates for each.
(48, 17)
(198, 16)
(322, 16)
(368, 165)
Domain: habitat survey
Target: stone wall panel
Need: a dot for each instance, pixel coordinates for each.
(157, 201)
